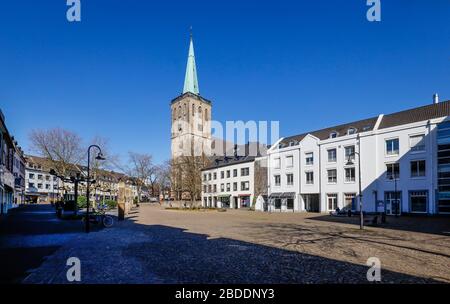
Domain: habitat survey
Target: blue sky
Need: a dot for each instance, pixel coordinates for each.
(308, 64)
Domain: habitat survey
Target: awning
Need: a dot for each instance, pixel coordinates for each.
(35, 194)
(224, 195)
(282, 195)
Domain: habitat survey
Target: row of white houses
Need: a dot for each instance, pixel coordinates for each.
(42, 187)
(400, 160)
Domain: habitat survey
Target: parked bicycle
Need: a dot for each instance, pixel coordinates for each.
(98, 216)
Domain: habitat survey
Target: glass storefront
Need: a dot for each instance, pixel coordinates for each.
(418, 201)
(245, 201)
(443, 164)
(225, 201)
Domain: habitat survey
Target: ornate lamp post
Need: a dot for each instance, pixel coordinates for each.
(98, 157)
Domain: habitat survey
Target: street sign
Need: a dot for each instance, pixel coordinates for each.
(380, 206)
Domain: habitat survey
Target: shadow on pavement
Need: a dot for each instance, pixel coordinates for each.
(182, 257)
(136, 253)
(439, 225)
(28, 234)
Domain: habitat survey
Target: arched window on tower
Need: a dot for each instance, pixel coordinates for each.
(179, 112)
(206, 115)
(184, 111)
(193, 110)
(200, 115)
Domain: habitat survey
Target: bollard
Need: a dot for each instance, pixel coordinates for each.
(121, 208)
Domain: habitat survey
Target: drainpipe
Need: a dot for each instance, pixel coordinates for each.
(268, 182)
(299, 179)
(320, 178)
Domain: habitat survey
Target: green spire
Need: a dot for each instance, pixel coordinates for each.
(190, 80)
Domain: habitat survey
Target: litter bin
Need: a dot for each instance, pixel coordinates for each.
(121, 209)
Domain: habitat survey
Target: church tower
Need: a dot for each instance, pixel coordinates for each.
(191, 116)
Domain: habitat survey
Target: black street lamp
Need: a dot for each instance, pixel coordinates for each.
(350, 163)
(98, 157)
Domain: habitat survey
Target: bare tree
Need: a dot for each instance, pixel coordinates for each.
(175, 176)
(164, 177)
(62, 148)
(152, 179)
(142, 169)
(260, 179)
(187, 175)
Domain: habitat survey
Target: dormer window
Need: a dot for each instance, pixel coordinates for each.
(351, 131)
(333, 134)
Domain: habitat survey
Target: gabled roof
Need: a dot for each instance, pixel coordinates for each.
(431, 111)
(225, 161)
(46, 165)
(360, 125)
(231, 158)
(103, 175)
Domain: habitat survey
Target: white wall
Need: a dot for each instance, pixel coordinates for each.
(53, 184)
(239, 179)
(407, 183)
(282, 171)
(373, 167)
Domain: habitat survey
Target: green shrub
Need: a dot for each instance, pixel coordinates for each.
(82, 202)
(111, 204)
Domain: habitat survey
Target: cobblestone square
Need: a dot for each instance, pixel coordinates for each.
(167, 246)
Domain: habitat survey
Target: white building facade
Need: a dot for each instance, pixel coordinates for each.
(404, 157)
(229, 183)
(40, 186)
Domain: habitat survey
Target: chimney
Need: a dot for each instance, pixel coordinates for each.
(435, 98)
